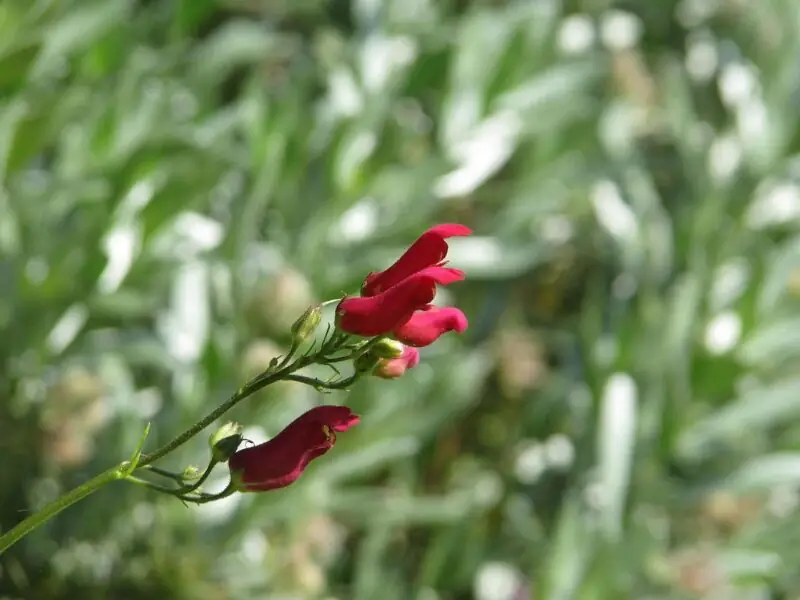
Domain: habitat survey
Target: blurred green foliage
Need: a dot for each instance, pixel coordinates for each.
(179, 179)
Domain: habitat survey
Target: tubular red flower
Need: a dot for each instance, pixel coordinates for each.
(280, 461)
(425, 326)
(384, 312)
(429, 250)
(392, 368)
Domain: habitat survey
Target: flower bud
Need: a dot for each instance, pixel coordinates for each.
(392, 368)
(225, 441)
(307, 324)
(280, 461)
(191, 473)
(387, 348)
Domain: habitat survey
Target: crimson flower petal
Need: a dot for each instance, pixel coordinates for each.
(425, 326)
(281, 460)
(427, 251)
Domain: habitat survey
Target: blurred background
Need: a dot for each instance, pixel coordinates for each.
(179, 179)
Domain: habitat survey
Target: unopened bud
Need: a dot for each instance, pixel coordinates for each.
(225, 441)
(392, 368)
(307, 324)
(387, 348)
(190, 473)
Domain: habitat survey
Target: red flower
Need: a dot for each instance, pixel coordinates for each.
(429, 250)
(425, 327)
(384, 312)
(392, 368)
(281, 460)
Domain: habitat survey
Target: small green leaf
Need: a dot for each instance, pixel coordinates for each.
(137, 455)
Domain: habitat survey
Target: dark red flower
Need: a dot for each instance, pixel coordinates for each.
(429, 250)
(281, 460)
(425, 326)
(392, 368)
(384, 312)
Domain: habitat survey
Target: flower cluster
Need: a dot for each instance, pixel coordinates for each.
(395, 309)
(377, 332)
(397, 301)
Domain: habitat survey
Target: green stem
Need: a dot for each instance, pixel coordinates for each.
(243, 392)
(316, 383)
(154, 486)
(335, 359)
(183, 494)
(23, 528)
(204, 498)
(177, 477)
(289, 355)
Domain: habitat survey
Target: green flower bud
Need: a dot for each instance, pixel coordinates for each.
(191, 473)
(387, 348)
(225, 441)
(307, 324)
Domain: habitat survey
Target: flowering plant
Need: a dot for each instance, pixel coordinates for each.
(377, 332)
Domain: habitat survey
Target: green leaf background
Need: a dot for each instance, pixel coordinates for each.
(180, 179)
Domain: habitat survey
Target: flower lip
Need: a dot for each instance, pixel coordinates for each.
(428, 250)
(335, 418)
(411, 356)
(346, 423)
(427, 325)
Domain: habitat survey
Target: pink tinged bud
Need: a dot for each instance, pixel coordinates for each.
(392, 368)
(280, 461)
(428, 250)
(425, 326)
(384, 312)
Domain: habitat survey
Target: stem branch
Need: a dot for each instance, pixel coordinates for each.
(318, 384)
(125, 469)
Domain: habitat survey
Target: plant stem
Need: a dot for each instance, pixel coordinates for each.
(154, 486)
(243, 392)
(204, 498)
(317, 384)
(177, 477)
(23, 528)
